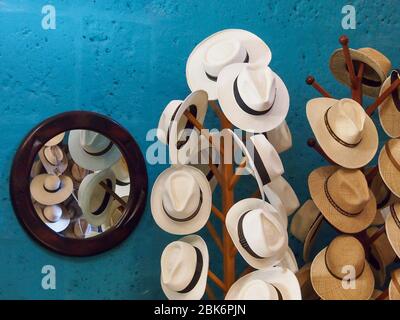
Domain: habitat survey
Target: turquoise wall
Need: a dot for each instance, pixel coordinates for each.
(126, 59)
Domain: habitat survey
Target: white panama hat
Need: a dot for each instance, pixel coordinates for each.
(123, 183)
(50, 189)
(55, 140)
(257, 232)
(93, 199)
(184, 268)
(92, 150)
(289, 261)
(275, 283)
(181, 200)
(54, 216)
(54, 159)
(219, 50)
(285, 192)
(280, 137)
(252, 97)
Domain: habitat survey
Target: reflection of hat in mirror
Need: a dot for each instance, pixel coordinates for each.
(82, 229)
(53, 159)
(50, 189)
(121, 171)
(54, 216)
(55, 140)
(78, 173)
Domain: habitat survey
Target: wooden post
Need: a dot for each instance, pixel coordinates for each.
(370, 110)
(310, 80)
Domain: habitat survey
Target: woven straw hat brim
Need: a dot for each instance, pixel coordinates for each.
(351, 158)
(393, 234)
(389, 173)
(303, 220)
(394, 294)
(47, 198)
(338, 66)
(195, 74)
(344, 223)
(198, 291)
(329, 287)
(311, 236)
(389, 116)
(378, 255)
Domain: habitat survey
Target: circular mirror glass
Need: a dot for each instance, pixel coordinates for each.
(85, 186)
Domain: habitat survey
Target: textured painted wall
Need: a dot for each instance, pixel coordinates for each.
(126, 59)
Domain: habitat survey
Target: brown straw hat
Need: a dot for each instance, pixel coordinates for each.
(376, 68)
(393, 227)
(389, 165)
(307, 290)
(394, 286)
(343, 197)
(311, 236)
(382, 255)
(344, 131)
(329, 271)
(389, 110)
(303, 220)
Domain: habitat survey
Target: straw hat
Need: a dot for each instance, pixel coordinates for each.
(389, 165)
(50, 189)
(343, 197)
(344, 131)
(94, 200)
(303, 220)
(92, 150)
(123, 183)
(376, 68)
(53, 159)
(393, 227)
(116, 214)
(77, 174)
(304, 278)
(257, 232)
(286, 193)
(272, 284)
(389, 110)
(219, 50)
(382, 255)
(332, 266)
(181, 200)
(184, 268)
(312, 236)
(54, 216)
(55, 140)
(179, 134)
(252, 97)
(394, 286)
(280, 137)
(289, 261)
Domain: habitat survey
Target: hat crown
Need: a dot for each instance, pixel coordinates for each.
(53, 154)
(52, 213)
(348, 188)
(78, 172)
(182, 194)
(346, 119)
(178, 265)
(263, 233)
(345, 253)
(258, 290)
(93, 142)
(52, 183)
(221, 54)
(394, 147)
(257, 86)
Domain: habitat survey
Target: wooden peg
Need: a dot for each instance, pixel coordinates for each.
(344, 41)
(113, 194)
(216, 280)
(312, 143)
(217, 110)
(310, 80)
(357, 92)
(210, 293)
(215, 236)
(218, 213)
(238, 174)
(370, 110)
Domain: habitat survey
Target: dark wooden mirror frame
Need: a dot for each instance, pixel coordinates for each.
(20, 183)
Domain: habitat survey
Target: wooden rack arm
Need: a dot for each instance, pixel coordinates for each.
(217, 110)
(310, 80)
(218, 213)
(236, 177)
(312, 143)
(215, 236)
(216, 173)
(210, 293)
(370, 110)
(216, 280)
(357, 92)
(377, 234)
(344, 41)
(113, 194)
(234, 251)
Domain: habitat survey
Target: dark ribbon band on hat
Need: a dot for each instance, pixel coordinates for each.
(280, 297)
(385, 201)
(390, 156)
(197, 272)
(312, 226)
(196, 212)
(259, 164)
(188, 126)
(122, 184)
(394, 215)
(366, 81)
(242, 238)
(395, 93)
(335, 205)
(244, 106)
(334, 136)
(105, 201)
(212, 78)
(102, 152)
(335, 276)
(53, 191)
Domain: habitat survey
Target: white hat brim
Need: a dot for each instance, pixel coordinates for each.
(281, 278)
(198, 291)
(289, 261)
(175, 227)
(88, 161)
(243, 120)
(195, 74)
(48, 198)
(57, 226)
(232, 219)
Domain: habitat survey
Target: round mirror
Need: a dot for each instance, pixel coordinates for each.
(79, 183)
